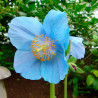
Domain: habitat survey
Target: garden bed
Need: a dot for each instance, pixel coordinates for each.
(18, 87)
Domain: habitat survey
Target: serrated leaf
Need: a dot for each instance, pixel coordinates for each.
(90, 79)
(95, 84)
(95, 72)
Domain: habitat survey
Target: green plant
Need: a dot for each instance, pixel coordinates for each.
(81, 23)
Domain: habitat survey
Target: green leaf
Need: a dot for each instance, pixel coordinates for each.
(94, 6)
(88, 9)
(79, 70)
(86, 43)
(1, 53)
(90, 79)
(95, 38)
(11, 68)
(31, 6)
(68, 49)
(93, 2)
(80, 7)
(6, 1)
(82, 62)
(94, 20)
(75, 87)
(70, 82)
(87, 68)
(96, 60)
(72, 59)
(75, 80)
(88, 1)
(94, 51)
(26, 1)
(95, 84)
(24, 8)
(95, 72)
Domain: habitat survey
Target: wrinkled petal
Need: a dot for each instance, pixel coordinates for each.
(56, 27)
(22, 30)
(55, 69)
(76, 39)
(26, 64)
(77, 49)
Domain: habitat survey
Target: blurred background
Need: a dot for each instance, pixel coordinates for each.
(83, 21)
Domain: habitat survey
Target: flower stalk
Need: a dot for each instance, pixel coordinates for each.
(65, 87)
(52, 90)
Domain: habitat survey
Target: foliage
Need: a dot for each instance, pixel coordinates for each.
(81, 23)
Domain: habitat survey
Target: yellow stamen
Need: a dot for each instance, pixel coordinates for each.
(51, 52)
(36, 44)
(42, 47)
(42, 34)
(54, 54)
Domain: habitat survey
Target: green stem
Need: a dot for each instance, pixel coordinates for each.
(52, 90)
(65, 87)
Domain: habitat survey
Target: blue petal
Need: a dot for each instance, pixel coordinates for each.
(56, 27)
(77, 49)
(22, 30)
(76, 39)
(26, 64)
(54, 70)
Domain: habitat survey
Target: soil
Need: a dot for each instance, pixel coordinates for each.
(18, 87)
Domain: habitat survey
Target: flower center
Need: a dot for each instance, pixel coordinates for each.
(43, 48)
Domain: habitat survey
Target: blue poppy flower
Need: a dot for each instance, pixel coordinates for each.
(41, 47)
(77, 49)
